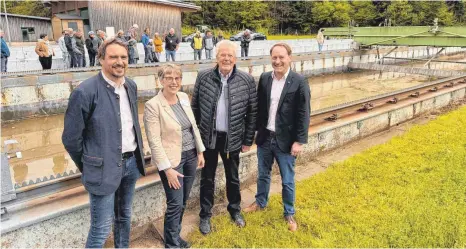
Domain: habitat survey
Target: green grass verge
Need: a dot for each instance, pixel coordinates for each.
(409, 192)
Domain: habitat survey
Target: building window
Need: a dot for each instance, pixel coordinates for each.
(29, 30)
(84, 12)
(73, 25)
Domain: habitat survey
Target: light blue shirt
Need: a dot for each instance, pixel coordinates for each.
(222, 105)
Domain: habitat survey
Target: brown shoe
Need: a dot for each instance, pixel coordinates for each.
(252, 208)
(292, 225)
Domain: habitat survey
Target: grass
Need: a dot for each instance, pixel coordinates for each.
(409, 192)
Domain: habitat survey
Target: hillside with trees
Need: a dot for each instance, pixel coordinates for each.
(303, 17)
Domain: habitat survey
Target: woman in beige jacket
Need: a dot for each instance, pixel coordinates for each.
(176, 148)
(45, 51)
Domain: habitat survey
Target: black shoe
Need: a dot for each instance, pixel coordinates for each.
(184, 243)
(204, 226)
(238, 219)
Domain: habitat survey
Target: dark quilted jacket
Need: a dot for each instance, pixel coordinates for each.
(242, 107)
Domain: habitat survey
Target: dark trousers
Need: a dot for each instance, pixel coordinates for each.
(114, 208)
(4, 64)
(208, 178)
(244, 51)
(147, 55)
(72, 59)
(91, 59)
(78, 60)
(46, 62)
(176, 198)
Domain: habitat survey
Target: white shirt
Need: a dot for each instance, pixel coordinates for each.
(128, 136)
(276, 92)
(222, 105)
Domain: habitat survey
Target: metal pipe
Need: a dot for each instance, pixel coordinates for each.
(7, 25)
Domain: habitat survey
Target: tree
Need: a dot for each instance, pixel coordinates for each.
(331, 14)
(458, 8)
(424, 13)
(364, 13)
(400, 12)
(28, 8)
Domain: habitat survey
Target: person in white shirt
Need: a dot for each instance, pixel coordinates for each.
(282, 128)
(64, 51)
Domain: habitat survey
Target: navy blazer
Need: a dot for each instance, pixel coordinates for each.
(293, 111)
(92, 134)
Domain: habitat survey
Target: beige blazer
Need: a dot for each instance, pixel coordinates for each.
(164, 131)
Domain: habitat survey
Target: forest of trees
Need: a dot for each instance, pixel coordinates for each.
(288, 17)
(305, 16)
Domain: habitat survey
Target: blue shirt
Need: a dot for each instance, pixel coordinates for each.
(4, 48)
(145, 40)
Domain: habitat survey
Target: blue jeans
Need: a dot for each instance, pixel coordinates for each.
(169, 53)
(208, 54)
(266, 153)
(114, 208)
(4, 64)
(176, 198)
(320, 47)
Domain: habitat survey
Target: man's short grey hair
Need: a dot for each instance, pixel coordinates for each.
(227, 44)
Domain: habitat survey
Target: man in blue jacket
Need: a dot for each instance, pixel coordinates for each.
(145, 41)
(5, 53)
(103, 137)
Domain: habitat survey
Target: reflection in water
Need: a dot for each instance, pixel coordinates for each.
(20, 171)
(59, 164)
(331, 90)
(44, 154)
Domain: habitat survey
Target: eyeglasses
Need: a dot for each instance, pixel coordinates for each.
(171, 79)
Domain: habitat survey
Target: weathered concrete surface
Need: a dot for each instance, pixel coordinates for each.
(37, 95)
(63, 221)
(408, 70)
(24, 57)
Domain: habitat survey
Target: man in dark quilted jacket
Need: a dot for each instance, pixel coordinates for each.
(225, 107)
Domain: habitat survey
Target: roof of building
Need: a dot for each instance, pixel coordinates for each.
(69, 17)
(23, 16)
(177, 3)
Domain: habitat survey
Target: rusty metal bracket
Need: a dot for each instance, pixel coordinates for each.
(449, 85)
(332, 118)
(393, 101)
(433, 89)
(415, 95)
(366, 107)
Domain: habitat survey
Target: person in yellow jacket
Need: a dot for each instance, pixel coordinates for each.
(197, 45)
(158, 48)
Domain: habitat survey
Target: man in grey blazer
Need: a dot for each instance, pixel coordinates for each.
(103, 137)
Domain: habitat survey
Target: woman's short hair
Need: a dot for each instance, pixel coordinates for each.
(42, 36)
(169, 68)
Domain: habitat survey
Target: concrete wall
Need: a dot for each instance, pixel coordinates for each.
(38, 95)
(24, 58)
(69, 227)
